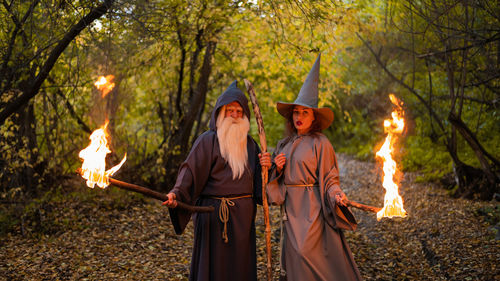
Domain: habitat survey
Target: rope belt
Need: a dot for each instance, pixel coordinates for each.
(301, 185)
(225, 203)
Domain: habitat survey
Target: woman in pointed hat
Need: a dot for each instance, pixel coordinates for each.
(304, 180)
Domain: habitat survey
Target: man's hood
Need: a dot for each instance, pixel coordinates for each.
(232, 93)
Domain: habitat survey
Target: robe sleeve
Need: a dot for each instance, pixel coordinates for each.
(338, 217)
(180, 217)
(191, 179)
(276, 191)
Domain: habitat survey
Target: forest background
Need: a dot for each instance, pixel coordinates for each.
(172, 59)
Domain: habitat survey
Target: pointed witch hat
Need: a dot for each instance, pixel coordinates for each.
(308, 97)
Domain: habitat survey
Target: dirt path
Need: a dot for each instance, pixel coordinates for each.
(104, 238)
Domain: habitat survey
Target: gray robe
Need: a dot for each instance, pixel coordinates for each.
(314, 246)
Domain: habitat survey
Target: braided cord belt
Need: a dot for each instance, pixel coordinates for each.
(225, 203)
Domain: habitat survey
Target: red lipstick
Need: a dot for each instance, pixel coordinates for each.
(298, 123)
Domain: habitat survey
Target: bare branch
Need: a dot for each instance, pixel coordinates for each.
(19, 27)
(399, 81)
(182, 63)
(472, 140)
(494, 38)
(72, 111)
(34, 88)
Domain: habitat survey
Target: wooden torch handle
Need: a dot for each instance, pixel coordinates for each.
(160, 196)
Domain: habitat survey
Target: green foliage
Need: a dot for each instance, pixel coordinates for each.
(273, 44)
(485, 122)
(18, 159)
(427, 157)
(8, 221)
(357, 134)
(413, 52)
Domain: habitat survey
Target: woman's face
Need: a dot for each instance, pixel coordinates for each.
(303, 118)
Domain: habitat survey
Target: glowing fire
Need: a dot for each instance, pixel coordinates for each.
(393, 203)
(94, 160)
(105, 84)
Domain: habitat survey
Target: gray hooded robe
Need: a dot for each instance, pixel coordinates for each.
(206, 174)
(314, 246)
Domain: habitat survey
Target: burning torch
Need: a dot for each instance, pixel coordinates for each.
(393, 202)
(93, 166)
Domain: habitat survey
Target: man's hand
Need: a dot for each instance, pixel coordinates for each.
(341, 199)
(171, 202)
(265, 160)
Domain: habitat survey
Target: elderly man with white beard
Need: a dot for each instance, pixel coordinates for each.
(221, 170)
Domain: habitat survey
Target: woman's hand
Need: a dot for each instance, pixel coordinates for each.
(171, 202)
(265, 160)
(341, 199)
(280, 161)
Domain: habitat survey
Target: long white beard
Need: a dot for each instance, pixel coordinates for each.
(232, 135)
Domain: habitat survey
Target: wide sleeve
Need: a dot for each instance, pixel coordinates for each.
(183, 190)
(338, 217)
(276, 191)
(191, 178)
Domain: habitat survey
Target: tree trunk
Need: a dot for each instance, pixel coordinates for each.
(180, 141)
(197, 102)
(484, 181)
(34, 86)
(28, 132)
(22, 153)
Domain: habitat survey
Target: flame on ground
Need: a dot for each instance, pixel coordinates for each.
(105, 84)
(393, 203)
(94, 160)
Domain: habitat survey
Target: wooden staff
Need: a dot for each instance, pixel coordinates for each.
(156, 195)
(160, 196)
(363, 207)
(263, 146)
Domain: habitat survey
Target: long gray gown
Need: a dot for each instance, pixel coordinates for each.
(314, 246)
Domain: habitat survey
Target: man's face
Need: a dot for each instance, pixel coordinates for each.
(234, 110)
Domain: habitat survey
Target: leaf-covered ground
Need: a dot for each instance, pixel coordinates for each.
(111, 235)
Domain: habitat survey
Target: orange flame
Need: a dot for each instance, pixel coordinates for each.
(94, 155)
(393, 203)
(105, 84)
